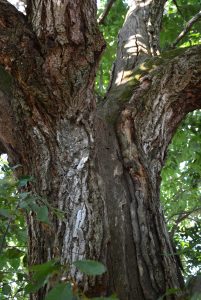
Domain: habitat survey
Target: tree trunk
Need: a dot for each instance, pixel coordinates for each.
(100, 166)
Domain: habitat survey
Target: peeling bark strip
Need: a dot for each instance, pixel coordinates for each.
(105, 178)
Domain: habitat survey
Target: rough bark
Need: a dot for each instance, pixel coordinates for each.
(100, 167)
(158, 95)
(138, 38)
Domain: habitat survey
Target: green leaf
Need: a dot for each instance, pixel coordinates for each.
(2, 274)
(45, 268)
(41, 275)
(23, 181)
(196, 297)
(169, 292)
(15, 263)
(3, 261)
(90, 267)
(6, 289)
(62, 291)
(33, 287)
(24, 204)
(24, 195)
(14, 253)
(21, 276)
(42, 214)
(5, 212)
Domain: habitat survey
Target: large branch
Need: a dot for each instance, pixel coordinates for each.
(20, 57)
(19, 51)
(178, 8)
(181, 217)
(64, 22)
(150, 105)
(187, 28)
(138, 38)
(163, 91)
(72, 44)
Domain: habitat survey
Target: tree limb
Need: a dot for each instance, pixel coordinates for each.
(137, 43)
(103, 16)
(184, 214)
(155, 99)
(177, 196)
(178, 8)
(19, 50)
(181, 217)
(187, 28)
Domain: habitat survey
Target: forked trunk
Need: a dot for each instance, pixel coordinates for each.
(102, 166)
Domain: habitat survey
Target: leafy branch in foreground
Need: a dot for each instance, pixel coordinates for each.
(53, 275)
(187, 28)
(181, 192)
(104, 14)
(17, 279)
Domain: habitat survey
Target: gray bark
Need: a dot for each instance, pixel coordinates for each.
(138, 38)
(102, 166)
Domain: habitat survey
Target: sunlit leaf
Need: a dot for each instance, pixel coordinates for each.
(62, 291)
(42, 214)
(90, 267)
(7, 213)
(6, 289)
(13, 253)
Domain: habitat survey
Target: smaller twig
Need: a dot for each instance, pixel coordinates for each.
(187, 28)
(184, 212)
(103, 16)
(178, 8)
(177, 195)
(182, 216)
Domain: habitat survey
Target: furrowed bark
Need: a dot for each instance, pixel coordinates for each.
(138, 38)
(101, 169)
(68, 34)
(54, 125)
(7, 135)
(150, 105)
(7, 125)
(145, 128)
(19, 50)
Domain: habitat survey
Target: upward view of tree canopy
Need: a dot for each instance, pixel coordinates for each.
(99, 116)
(180, 192)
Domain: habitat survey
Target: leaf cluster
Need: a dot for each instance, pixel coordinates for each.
(176, 15)
(181, 192)
(17, 279)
